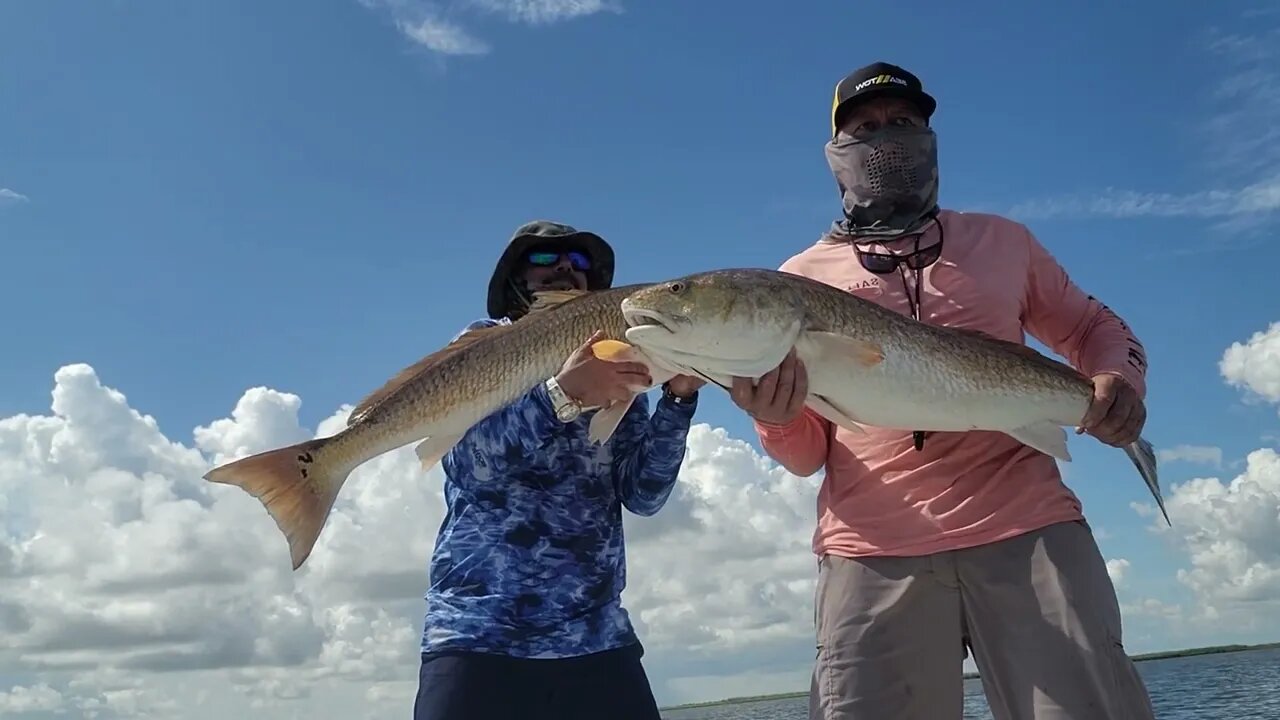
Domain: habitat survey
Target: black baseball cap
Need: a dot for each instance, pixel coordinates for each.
(879, 79)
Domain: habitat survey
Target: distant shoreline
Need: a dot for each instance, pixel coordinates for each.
(1165, 655)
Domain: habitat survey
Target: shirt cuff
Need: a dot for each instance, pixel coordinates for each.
(773, 430)
(681, 406)
(1131, 378)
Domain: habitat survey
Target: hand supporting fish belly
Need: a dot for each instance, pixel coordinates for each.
(866, 365)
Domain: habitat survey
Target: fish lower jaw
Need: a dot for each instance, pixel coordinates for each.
(651, 321)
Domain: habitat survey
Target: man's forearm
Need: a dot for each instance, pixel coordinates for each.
(799, 446)
(649, 467)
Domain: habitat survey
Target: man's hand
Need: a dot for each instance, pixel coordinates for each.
(1116, 414)
(779, 397)
(595, 382)
(685, 385)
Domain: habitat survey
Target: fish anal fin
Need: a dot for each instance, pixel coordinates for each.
(828, 410)
(606, 420)
(433, 449)
(836, 346)
(371, 400)
(547, 299)
(1049, 438)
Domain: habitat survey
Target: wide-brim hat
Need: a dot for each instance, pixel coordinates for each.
(546, 232)
(879, 79)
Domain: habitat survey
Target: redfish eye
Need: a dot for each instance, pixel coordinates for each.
(676, 287)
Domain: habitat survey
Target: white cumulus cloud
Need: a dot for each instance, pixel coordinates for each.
(442, 36)
(432, 24)
(130, 587)
(1240, 140)
(11, 197)
(1260, 198)
(1201, 454)
(1230, 529)
(21, 699)
(1152, 608)
(538, 12)
(1254, 365)
(1116, 568)
(1231, 534)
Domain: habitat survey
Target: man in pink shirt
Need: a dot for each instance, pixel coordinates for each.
(929, 545)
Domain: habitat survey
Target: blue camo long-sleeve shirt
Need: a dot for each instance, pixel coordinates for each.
(529, 560)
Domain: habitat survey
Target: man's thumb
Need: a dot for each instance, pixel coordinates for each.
(595, 336)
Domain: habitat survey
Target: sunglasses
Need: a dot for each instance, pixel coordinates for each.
(546, 258)
(884, 263)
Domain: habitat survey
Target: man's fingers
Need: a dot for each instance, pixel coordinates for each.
(1127, 421)
(635, 378)
(785, 377)
(1103, 398)
(799, 390)
(766, 387)
(1128, 430)
(1137, 420)
(1117, 416)
(741, 392)
(584, 350)
(786, 381)
(618, 394)
(630, 368)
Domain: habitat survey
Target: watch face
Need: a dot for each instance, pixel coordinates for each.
(567, 413)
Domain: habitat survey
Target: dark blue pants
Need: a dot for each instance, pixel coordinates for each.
(474, 686)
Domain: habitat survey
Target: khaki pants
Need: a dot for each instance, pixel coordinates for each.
(1038, 610)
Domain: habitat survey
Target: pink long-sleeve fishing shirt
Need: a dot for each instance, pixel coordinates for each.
(882, 497)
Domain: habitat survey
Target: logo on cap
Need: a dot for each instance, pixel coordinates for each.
(880, 80)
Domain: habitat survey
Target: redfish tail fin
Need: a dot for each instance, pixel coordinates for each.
(295, 485)
(1143, 456)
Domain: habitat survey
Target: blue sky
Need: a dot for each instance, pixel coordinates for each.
(218, 197)
(199, 198)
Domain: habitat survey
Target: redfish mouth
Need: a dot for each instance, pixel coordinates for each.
(637, 317)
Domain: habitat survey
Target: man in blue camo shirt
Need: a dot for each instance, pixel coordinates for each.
(524, 617)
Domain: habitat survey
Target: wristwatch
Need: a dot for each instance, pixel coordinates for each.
(567, 409)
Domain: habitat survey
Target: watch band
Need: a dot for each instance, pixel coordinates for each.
(567, 409)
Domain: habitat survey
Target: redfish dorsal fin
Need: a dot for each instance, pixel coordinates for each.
(547, 299)
(542, 301)
(376, 397)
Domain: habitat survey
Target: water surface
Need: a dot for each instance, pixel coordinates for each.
(1227, 686)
